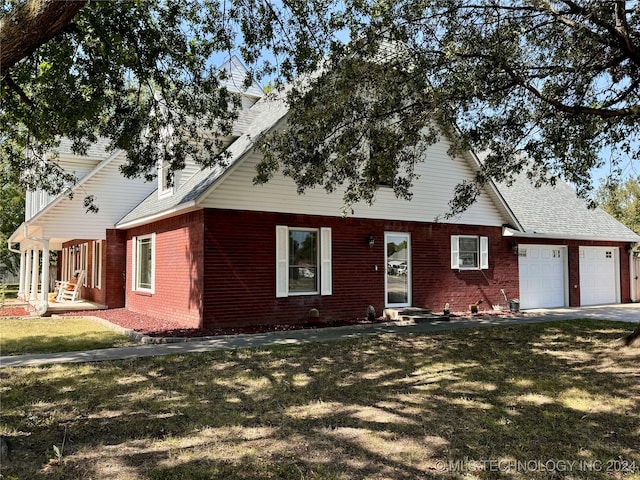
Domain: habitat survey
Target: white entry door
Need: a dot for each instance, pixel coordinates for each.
(398, 264)
(599, 279)
(542, 276)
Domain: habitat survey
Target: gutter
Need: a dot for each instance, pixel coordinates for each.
(183, 208)
(510, 232)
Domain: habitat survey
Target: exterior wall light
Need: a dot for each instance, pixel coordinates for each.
(370, 240)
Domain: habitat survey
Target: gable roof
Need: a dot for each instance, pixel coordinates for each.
(557, 212)
(65, 217)
(236, 77)
(266, 113)
(544, 212)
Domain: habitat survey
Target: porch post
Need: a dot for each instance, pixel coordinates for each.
(21, 284)
(45, 275)
(34, 275)
(27, 274)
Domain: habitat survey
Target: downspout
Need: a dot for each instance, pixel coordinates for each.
(21, 279)
(11, 249)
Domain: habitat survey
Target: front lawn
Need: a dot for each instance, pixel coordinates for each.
(552, 400)
(20, 336)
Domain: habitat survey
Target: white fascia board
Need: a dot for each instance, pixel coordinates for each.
(509, 232)
(496, 193)
(171, 212)
(18, 235)
(493, 188)
(82, 181)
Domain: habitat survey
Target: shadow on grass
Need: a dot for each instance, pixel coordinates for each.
(47, 343)
(502, 402)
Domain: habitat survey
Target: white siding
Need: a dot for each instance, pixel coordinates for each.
(37, 200)
(439, 175)
(114, 195)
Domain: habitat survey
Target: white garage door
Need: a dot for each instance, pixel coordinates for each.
(598, 275)
(542, 276)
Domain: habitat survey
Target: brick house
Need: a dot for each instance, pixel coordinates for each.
(215, 250)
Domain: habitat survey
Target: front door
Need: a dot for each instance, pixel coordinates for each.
(398, 263)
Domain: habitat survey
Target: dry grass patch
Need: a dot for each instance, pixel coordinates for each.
(466, 404)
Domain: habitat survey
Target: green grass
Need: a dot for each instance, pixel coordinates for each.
(498, 402)
(50, 335)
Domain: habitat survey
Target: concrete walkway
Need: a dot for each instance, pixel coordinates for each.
(624, 312)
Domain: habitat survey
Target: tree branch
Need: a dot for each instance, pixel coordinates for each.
(574, 109)
(16, 88)
(32, 25)
(619, 31)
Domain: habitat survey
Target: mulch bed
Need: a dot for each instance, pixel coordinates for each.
(13, 312)
(155, 327)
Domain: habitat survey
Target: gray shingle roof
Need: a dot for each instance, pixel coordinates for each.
(96, 150)
(553, 212)
(556, 211)
(266, 114)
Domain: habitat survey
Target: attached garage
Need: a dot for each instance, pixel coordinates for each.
(599, 275)
(542, 276)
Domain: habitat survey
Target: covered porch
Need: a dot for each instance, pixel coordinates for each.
(48, 265)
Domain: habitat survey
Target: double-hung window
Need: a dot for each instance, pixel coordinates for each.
(303, 261)
(143, 268)
(469, 252)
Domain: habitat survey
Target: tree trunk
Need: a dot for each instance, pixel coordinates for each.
(32, 25)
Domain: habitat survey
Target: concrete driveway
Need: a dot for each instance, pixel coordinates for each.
(625, 312)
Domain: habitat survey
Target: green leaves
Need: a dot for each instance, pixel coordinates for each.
(138, 73)
(545, 86)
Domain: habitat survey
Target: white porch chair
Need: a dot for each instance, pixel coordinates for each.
(69, 291)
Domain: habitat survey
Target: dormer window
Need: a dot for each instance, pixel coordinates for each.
(166, 180)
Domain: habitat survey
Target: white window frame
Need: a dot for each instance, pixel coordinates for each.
(323, 262)
(163, 189)
(96, 267)
(84, 262)
(135, 263)
(483, 253)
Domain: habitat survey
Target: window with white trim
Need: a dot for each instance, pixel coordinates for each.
(166, 180)
(96, 267)
(469, 252)
(84, 261)
(303, 261)
(144, 259)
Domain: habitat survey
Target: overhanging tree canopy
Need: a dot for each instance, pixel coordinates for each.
(545, 86)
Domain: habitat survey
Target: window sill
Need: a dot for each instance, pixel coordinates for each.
(143, 293)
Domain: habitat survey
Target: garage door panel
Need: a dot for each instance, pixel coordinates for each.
(542, 276)
(598, 275)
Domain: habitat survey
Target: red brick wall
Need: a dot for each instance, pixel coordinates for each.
(178, 270)
(114, 254)
(219, 265)
(573, 247)
(111, 292)
(239, 265)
